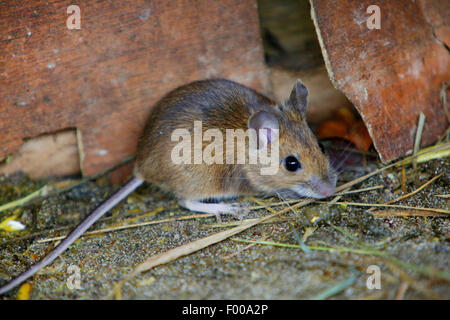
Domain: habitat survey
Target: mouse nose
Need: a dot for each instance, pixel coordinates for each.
(323, 188)
(326, 190)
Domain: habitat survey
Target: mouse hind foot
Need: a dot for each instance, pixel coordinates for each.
(237, 210)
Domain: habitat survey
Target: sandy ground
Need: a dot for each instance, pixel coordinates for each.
(410, 253)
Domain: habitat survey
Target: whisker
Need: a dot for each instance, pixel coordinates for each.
(342, 162)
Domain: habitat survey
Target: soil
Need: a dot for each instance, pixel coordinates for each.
(409, 253)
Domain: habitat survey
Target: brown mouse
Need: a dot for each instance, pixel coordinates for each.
(301, 170)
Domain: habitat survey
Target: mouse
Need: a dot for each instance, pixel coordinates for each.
(172, 152)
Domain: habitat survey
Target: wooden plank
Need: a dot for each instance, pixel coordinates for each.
(54, 154)
(390, 74)
(289, 37)
(103, 79)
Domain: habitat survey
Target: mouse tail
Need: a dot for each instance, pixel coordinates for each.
(107, 205)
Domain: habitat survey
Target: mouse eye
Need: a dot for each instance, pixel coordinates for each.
(322, 147)
(292, 164)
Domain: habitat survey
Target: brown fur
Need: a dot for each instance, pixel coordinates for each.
(224, 104)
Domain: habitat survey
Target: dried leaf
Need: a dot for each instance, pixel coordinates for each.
(24, 292)
(346, 126)
(12, 225)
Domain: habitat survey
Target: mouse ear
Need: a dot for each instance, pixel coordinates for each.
(266, 126)
(299, 97)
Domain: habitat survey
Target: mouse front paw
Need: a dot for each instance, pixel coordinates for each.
(237, 210)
